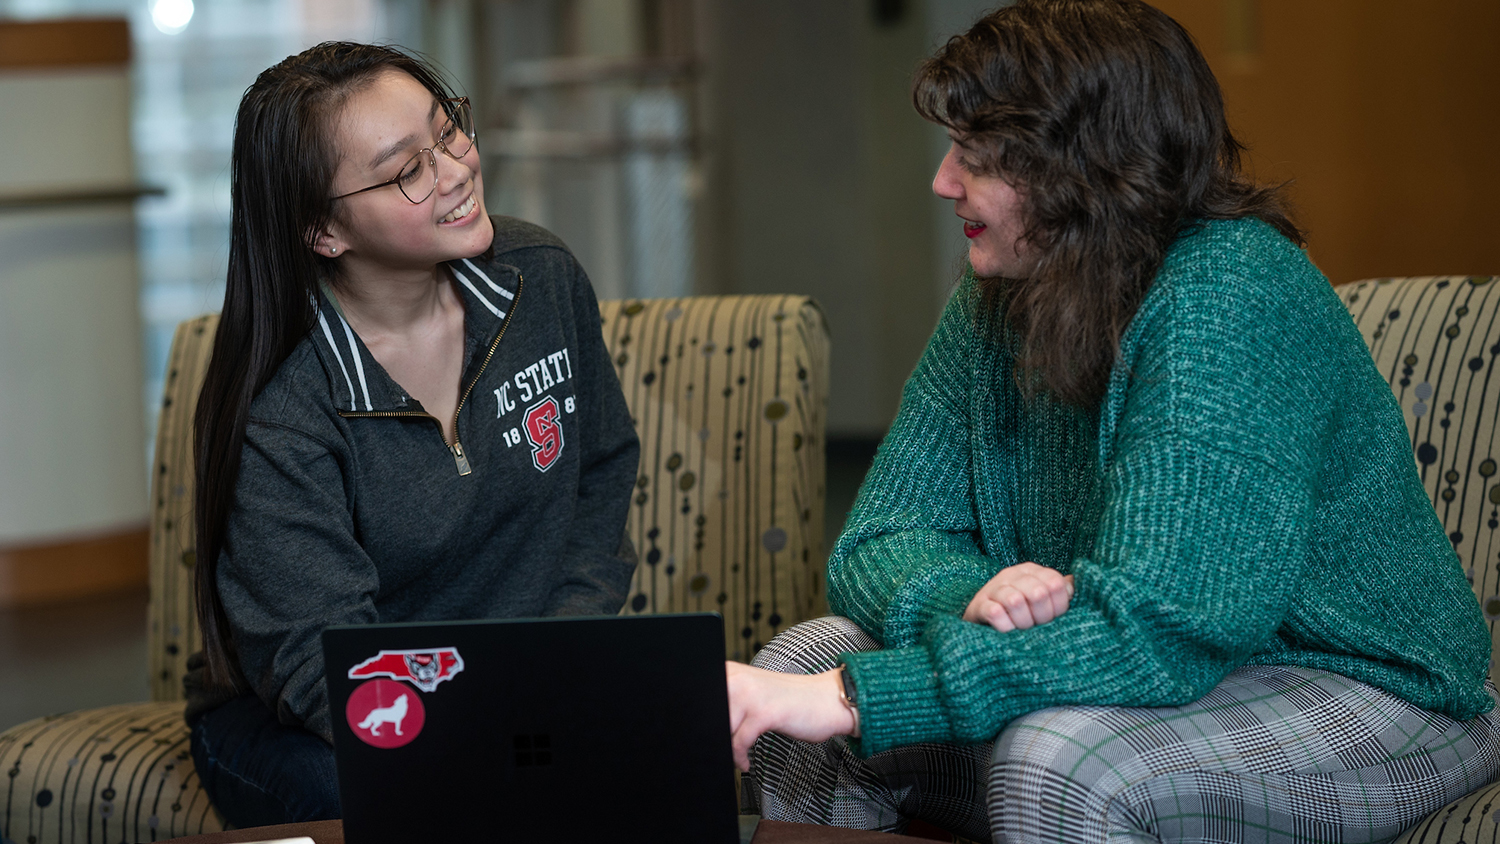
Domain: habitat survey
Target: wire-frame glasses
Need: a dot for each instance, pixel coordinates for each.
(418, 176)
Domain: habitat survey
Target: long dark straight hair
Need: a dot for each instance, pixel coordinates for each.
(281, 173)
(1108, 122)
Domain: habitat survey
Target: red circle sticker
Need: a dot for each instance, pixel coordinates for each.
(385, 714)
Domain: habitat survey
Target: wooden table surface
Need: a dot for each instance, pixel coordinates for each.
(321, 832)
(780, 832)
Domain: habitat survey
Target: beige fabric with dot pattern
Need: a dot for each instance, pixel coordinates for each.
(729, 396)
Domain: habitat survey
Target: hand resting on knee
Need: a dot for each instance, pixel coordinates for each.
(803, 706)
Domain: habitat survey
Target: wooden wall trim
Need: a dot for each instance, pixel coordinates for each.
(64, 43)
(79, 568)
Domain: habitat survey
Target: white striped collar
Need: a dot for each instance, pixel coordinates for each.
(491, 290)
(359, 384)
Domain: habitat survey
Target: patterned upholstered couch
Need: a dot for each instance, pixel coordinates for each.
(729, 397)
(708, 458)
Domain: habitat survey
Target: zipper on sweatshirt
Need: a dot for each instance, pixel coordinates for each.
(456, 448)
(459, 458)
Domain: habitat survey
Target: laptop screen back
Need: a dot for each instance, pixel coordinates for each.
(527, 730)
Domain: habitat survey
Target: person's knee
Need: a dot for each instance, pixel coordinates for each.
(812, 646)
(1047, 770)
(784, 653)
(258, 772)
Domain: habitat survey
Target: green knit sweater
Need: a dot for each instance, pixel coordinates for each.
(1245, 493)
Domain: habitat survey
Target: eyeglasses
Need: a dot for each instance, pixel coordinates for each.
(418, 177)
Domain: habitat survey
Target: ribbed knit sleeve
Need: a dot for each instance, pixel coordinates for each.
(1163, 609)
(1194, 545)
(909, 548)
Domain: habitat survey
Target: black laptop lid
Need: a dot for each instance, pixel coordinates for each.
(533, 729)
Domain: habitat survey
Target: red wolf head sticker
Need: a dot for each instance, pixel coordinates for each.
(423, 669)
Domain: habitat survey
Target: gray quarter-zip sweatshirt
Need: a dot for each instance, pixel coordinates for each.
(351, 508)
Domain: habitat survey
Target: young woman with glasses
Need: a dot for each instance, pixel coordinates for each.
(1145, 555)
(409, 414)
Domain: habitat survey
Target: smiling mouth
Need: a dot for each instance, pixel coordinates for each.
(973, 230)
(461, 211)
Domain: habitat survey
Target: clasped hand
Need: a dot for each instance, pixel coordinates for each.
(810, 707)
(1019, 597)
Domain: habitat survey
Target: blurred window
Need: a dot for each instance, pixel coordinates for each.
(191, 64)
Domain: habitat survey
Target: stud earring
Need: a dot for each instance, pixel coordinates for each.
(333, 250)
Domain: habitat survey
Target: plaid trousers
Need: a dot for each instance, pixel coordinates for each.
(1273, 753)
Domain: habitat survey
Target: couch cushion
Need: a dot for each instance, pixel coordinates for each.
(729, 395)
(1470, 819)
(172, 631)
(120, 773)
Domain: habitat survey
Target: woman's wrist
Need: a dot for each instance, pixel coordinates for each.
(848, 696)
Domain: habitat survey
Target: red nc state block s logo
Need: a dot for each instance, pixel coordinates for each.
(544, 431)
(423, 669)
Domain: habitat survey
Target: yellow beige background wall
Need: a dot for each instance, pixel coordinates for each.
(72, 439)
(1386, 113)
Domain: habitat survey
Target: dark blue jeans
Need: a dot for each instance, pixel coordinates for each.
(258, 771)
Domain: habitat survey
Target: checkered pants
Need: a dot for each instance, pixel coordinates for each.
(1273, 753)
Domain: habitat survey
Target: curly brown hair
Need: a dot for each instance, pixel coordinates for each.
(1106, 119)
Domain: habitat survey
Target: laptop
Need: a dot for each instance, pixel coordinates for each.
(562, 729)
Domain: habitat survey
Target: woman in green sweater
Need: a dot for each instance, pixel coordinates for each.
(1145, 552)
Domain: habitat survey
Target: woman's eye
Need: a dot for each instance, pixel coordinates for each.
(964, 158)
(412, 170)
(447, 134)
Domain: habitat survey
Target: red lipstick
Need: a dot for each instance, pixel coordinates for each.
(973, 230)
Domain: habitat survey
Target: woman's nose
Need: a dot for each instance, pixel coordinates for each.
(947, 183)
(453, 172)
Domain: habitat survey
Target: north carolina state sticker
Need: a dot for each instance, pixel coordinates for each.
(385, 714)
(423, 669)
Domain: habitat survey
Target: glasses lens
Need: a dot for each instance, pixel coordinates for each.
(418, 177)
(457, 136)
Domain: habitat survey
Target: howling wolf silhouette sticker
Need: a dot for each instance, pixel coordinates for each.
(385, 714)
(393, 714)
(422, 668)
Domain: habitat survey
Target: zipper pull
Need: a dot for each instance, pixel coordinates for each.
(460, 458)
